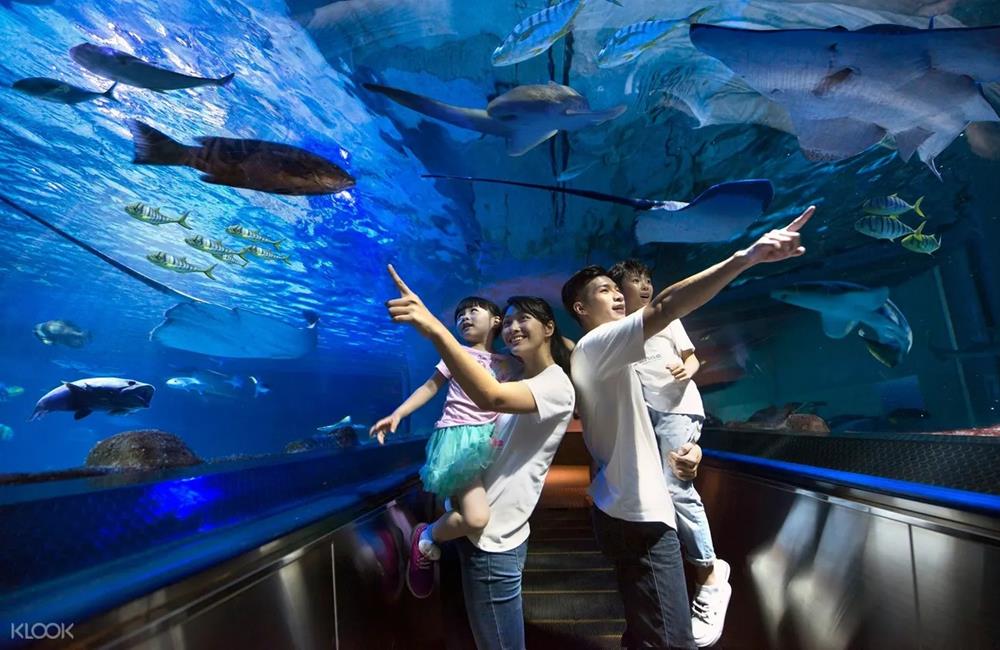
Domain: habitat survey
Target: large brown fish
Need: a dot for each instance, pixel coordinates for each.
(251, 164)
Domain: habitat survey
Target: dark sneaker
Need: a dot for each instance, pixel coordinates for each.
(420, 572)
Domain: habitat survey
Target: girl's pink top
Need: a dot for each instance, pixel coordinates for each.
(459, 409)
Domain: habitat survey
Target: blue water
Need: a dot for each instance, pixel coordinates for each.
(299, 68)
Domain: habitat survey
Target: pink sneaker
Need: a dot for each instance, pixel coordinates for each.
(420, 572)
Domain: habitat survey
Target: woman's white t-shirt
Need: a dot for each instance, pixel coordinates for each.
(528, 442)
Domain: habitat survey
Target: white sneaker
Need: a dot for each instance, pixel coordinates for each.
(708, 612)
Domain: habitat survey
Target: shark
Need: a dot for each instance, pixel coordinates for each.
(526, 116)
(845, 307)
(846, 91)
(720, 213)
(203, 327)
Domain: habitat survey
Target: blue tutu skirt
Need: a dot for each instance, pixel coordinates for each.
(456, 456)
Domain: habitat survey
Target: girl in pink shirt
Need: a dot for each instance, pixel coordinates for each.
(461, 446)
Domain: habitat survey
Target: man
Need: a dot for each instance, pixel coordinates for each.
(633, 515)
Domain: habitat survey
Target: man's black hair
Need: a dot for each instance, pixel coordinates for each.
(573, 289)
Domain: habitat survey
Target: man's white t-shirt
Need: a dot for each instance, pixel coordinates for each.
(661, 391)
(629, 484)
(529, 441)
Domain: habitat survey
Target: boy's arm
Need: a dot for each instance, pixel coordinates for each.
(680, 299)
(685, 370)
(417, 398)
(691, 363)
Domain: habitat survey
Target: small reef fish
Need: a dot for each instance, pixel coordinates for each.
(631, 41)
(252, 235)
(178, 264)
(264, 254)
(114, 64)
(6, 433)
(892, 206)
(9, 392)
(216, 249)
(146, 214)
(882, 227)
(62, 332)
(59, 92)
(250, 164)
(918, 242)
(84, 396)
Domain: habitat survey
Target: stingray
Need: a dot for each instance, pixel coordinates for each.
(845, 91)
(204, 327)
(526, 115)
(720, 213)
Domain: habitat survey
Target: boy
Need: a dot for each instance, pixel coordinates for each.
(677, 415)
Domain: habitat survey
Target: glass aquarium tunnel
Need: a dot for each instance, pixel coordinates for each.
(199, 204)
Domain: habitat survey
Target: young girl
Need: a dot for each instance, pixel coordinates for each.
(461, 446)
(535, 411)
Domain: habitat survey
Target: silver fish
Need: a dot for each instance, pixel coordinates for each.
(264, 254)
(250, 234)
(216, 249)
(144, 213)
(114, 64)
(629, 42)
(251, 164)
(882, 227)
(538, 32)
(918, 242)
(178, 264)
(892, 205)
(60, 92)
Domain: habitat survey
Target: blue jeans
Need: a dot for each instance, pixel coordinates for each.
(492, 586)
(650, 571)
(673, 430)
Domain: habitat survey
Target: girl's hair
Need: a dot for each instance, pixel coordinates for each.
(482, 303)
(541, 310)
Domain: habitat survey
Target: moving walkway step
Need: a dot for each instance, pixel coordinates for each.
(569, 588)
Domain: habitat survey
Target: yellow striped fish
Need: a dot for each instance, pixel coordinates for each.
(918, 242)
(631, 41)
(882, 227)
(178, 264)
(536, 33)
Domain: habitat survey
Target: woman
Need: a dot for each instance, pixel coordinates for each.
(534, 414)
